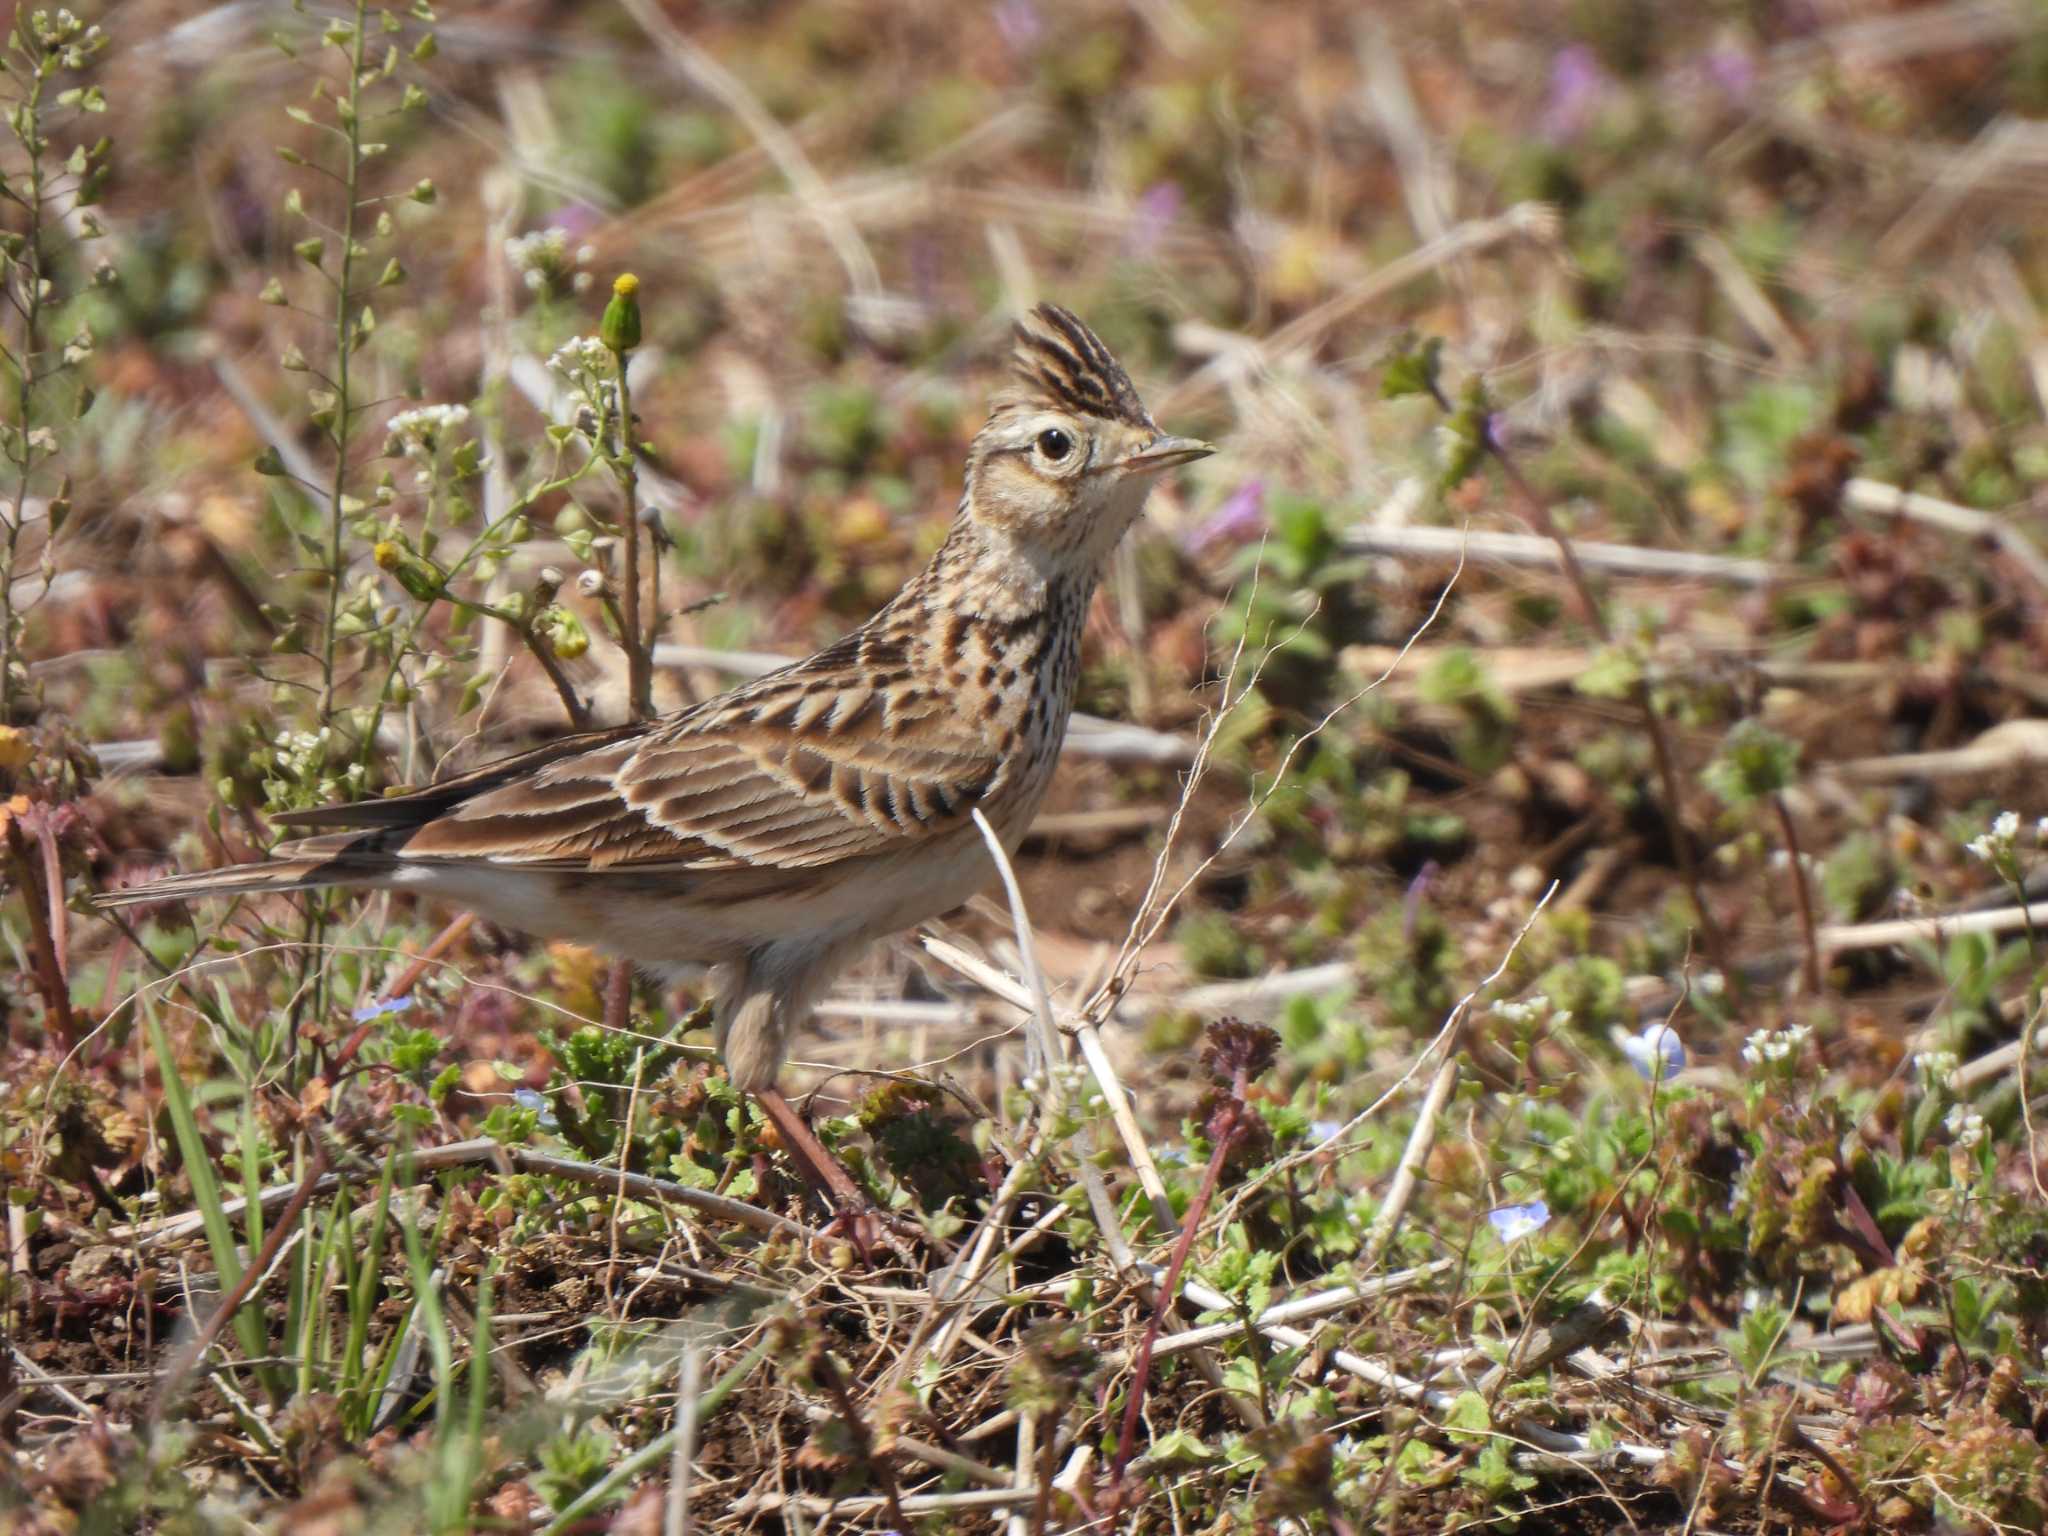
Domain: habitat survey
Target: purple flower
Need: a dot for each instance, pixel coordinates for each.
(1657, 1052)
(1733, 71)
(1576, 84)
(1418, 891)
(1158, 206)
(576, 219)
(1512, 1223)
(1242, 515)
(1019, 24)
(385, 1009)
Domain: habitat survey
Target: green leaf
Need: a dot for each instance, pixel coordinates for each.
(1468, 1418)
(1754, 762)
(1414, 371)
(206, 1198)
(1463, 438)
(1613, 673)
(1179, 1447)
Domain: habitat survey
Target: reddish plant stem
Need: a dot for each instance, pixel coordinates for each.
(49, 965)
(618, 998)
(1169, 1286)
(1041, 1507)
(1537, 510)
(1800, 891)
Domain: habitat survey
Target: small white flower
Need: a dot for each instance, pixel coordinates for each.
(580, 358)
(1711, 984)
(420, 432)
(1995, 847)
(1774, 1046)
(543, 250)
(1527, 1011)
(1936, 1069)
(1965, 1127)
(545, 261)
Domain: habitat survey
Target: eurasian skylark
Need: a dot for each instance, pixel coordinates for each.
(776, 831)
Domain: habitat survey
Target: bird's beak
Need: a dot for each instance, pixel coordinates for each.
(1165, 453)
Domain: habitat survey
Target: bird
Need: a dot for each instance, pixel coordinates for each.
(776, 831)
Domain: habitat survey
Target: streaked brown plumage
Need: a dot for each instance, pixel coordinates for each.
(777, 830)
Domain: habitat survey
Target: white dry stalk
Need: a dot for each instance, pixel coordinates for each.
(1298, 1309)
(1045, 1040)
(1539, 550)
(1539, 1436)
(676, 1514)
(482, 1149)
(1051, 1051)
(1844, 938)
(1026, 1461)
(1420, 1140)
(1126, 1122)
(1874, 496)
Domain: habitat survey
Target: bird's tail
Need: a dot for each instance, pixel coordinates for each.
(348, 858)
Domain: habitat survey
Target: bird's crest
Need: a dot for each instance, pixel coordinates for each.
(1059, 362)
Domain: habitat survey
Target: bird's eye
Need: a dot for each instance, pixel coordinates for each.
(1054, 444)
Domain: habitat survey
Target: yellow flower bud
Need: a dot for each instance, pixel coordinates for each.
(620, 327)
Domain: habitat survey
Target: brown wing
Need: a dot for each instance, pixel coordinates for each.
(822, 762)
(412, 807)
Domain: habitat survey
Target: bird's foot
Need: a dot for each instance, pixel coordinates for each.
(856, 1219)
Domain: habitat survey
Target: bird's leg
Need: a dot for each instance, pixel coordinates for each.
(752, 1022)
(864, 1224)
(618, 997)
(819, 1168)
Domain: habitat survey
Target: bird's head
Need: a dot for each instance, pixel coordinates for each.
(1069, 452)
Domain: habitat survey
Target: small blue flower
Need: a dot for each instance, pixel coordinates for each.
(389, 1006)
(1512, 1223)
(1320, 1131)
(1657, 1052)
(526, 1098)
